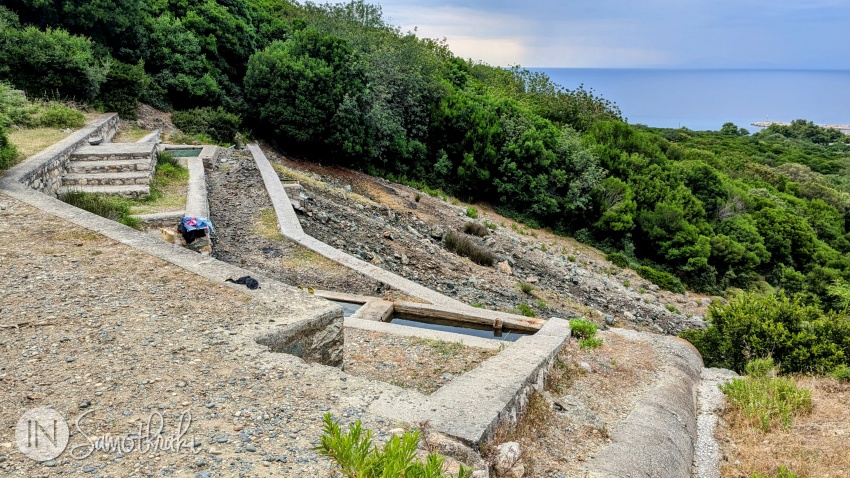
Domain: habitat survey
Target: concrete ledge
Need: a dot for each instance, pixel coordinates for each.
(161, 219)
(152, 137)
(658, 437)
(141, 150)
(472, 406)
(197, 203)
(376, 309)
(404, 331)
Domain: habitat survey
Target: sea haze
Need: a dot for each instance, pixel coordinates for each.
(705, 99)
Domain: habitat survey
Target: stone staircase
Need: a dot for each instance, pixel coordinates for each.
(123, 169)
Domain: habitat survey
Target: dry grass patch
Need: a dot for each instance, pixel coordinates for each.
(32, 140)
(129, 133)
(816, 444)
(265, 224)
(286, 173)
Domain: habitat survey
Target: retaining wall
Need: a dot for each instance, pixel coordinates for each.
(43, 171)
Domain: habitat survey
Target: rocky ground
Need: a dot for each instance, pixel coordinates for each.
(91, 325)
(400, 229)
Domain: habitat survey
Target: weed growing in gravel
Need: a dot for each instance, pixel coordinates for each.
(782, 472)
(526, 310)
(571, 258)
(766, 400)
(358, 457)
(672, 308)
(464, 245)
(585, 331)
(525, 288)
(490, 225)
(541, 304)
(472, 212)
(442, 347)
(477, 305)
(841, 373)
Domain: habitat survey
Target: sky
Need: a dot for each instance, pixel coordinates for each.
(782, 34)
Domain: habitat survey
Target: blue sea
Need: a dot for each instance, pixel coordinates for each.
(705, 99)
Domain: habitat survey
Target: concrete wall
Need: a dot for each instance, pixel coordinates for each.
(43, 171)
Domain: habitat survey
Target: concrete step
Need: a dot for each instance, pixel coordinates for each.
(132, 191)
(115, 166)
(107, 179)
(115, 152)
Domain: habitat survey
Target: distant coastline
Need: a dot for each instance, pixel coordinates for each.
(705, 99)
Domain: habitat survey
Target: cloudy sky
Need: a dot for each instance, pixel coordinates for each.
(797, 34)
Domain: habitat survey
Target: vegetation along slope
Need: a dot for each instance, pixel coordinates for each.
(716, 212)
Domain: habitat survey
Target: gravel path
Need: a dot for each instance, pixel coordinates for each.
(106, 329)
(710, 405)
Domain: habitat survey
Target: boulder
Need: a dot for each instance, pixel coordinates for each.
(504, 268)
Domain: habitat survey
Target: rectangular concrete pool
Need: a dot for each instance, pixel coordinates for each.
(461, 328)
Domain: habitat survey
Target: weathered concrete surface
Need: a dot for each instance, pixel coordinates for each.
(658, 437)
(404, 331)
(197, 203)
(152, 137)
(375, 309)
(114, 151)
(289, 224)
(471, 406)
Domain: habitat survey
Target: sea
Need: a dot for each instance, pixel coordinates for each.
(706, 99)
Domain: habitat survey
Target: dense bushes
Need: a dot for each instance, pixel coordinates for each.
(800, 338)
(216, 123)
(8, 153)
(665, 280)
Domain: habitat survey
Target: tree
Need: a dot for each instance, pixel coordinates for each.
(297, 87)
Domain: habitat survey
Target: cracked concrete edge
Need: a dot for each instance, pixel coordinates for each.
(658, 437)
(474, 405)
(296, 313)
(400, 330)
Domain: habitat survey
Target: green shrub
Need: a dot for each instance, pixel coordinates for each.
(582, 328)
(8, 152)
(358, 457)
(766, 400)
(125, 84)
(489, 224)
(618, 259)
(526, 310)
(665, 280)
(476, 229)
(55, 115)
(525, 288)
(216, 123)
(841, 373)
(465, 246)
(110, 207)
(800, 338)
(472, 212)
(585, 331)
(571, 258)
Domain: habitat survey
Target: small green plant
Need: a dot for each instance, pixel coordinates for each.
(472, 212)
(543, 247)
(464, 245)
(417, 197)
(541, 304)
(454, 202)
(765, 399)
(490, 225)
(357, 456)
(476, 229)
(571, 258)
(442, 347)
(585, 331)
(626, 283)
(641, 290)
(672, 308)
(782, 472)
(477, 305)
(841, 373)
(56, 115)
(526, 310)
(525, 288)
